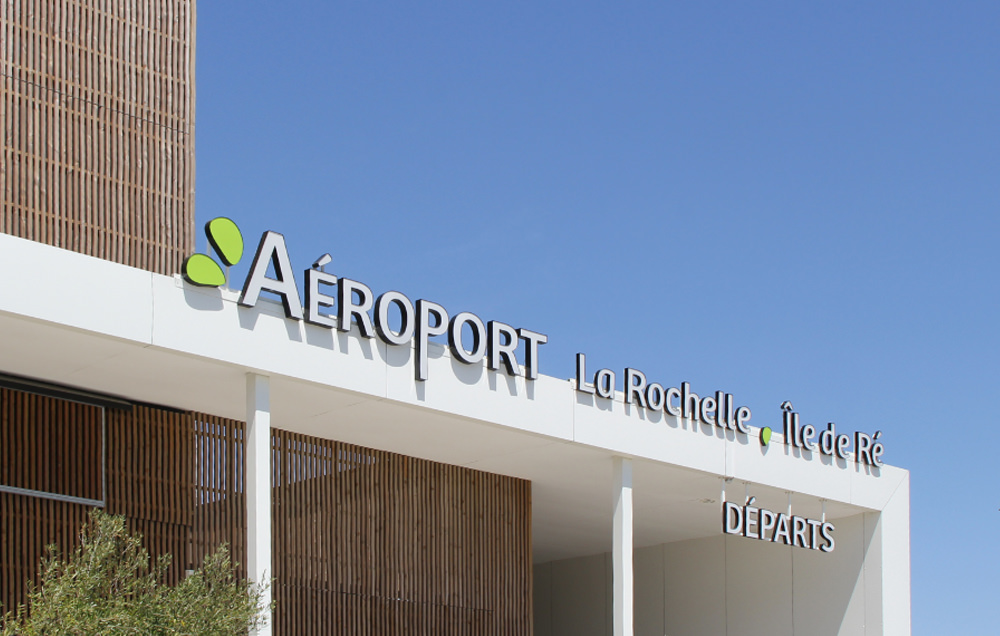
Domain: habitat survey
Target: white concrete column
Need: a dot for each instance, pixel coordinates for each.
(257, 441)
(623, 602)
(887, 565)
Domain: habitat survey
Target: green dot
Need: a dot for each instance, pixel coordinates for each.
(226, 238)
(765, 435)
(203, 271)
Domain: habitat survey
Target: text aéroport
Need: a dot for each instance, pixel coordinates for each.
(342, 303)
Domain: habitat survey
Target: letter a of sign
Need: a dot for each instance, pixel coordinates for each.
(272, 250)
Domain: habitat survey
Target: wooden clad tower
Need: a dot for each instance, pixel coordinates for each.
(97, 125)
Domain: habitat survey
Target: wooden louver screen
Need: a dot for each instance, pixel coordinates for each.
(371, 542)
(365, 541)
(48, 447)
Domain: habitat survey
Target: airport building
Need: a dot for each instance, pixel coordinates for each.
(392, 465)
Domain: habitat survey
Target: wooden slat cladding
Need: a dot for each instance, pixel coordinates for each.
(219, 514)
(178, 478)
(50, 445)
(98, 127)
(27, 526)
(365, 541)
(151, 479)
(371, 542)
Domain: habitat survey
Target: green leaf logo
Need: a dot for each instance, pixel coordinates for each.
(765, 435)
(226, 239)
(201, 270)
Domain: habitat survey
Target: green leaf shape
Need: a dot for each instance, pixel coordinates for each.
(202, 271)
(226, 238)
(765, 435)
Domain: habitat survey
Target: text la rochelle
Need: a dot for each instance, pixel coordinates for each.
(718, 410)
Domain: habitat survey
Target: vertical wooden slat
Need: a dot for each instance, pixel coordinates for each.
(369, 542)
(45, 445)
(98, 136)
(365, 541)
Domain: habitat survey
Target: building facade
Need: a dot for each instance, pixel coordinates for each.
(388, 472)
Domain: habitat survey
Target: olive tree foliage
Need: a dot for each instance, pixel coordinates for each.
(107, 586)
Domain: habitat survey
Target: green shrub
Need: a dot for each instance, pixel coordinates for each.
(107, 587)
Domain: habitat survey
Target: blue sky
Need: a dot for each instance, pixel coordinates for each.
(785, 200)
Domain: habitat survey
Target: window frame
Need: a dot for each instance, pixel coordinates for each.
(78, 396)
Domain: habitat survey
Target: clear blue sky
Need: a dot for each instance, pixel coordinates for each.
(789, 201)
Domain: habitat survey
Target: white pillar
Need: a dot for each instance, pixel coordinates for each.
(257, 440)
(887, 565)
(623, 606)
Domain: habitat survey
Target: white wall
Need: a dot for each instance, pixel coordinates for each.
(728, 585)
(149, 324)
